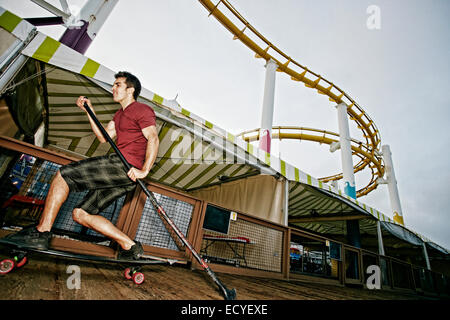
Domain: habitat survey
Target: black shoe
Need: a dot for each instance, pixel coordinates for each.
(30, 238)
(134, 253)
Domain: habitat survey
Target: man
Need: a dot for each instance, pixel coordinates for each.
(134, 126)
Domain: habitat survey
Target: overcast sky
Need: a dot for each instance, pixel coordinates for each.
(399, 74)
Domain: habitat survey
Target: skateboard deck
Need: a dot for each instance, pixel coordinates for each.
(19, 257)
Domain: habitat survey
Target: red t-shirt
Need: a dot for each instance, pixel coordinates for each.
(129, 124)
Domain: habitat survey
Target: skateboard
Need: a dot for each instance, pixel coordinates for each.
(19, 257)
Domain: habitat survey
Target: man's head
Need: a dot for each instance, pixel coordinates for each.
(126, 84)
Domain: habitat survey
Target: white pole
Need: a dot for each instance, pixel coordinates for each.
(286, 202)
(380, 239)
(12, 71)
(392, 185)
(346, 151)
(353, 233)
(83, 29)
(265, 133)
(95, 12)
(425, 254)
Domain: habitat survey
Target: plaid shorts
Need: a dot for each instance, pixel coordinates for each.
(105, 178)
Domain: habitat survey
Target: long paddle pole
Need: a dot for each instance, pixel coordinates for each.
(227, 293)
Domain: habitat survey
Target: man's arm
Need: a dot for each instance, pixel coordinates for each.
(110, 128)
(151, 134)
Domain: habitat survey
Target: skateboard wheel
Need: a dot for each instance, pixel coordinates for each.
(6, 266)
(138, 277)
(22, 262)
(127, 274)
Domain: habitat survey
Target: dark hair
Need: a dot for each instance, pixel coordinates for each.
(132, 82)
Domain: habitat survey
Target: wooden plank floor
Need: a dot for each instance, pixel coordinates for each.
(46, 278)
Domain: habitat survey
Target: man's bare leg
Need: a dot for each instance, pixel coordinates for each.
(59, 190)
(103, 226)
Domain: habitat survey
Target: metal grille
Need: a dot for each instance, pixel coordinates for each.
(247, 245)
(151, 230)
(64, 221)
(25, 184)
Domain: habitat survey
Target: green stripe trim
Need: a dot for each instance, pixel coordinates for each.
(71, 130)
(297, 175)
(46, 50)
(237, 170)
(158, 99)
(192, 168)
(77, 94)
(283, 167)
(217, 175)
(185, 112)
(296, 185)
(249, 148)
(309, 180)
(77, 122)
(180, 163)
(72, 104)
(208, 124)
(267, 158)
(201, 175)
(9, 21)
(62, 136)
(90, 68)
(71, 83)
(93, 147)
(73, 145)
(71, 114)
(298, 195)
(168, 154)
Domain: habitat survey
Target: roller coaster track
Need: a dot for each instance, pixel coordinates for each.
(368, 152)
(359, 149)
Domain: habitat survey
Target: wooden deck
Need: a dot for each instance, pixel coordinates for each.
(46, 278)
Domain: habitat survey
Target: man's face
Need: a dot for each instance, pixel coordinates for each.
(120, 90)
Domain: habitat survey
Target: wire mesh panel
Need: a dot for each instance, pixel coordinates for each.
(247, 245)
(152, 231)
(64, 221)
(25, 183)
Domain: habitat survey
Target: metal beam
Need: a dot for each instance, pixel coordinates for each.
(51, 8)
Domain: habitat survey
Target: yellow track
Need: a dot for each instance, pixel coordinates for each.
(223, 11)
(359, 149)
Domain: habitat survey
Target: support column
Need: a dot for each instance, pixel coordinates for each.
(93, 15)
(265, 133)
(392, 185)
(425, 254)
(380, 239)
(346, 151)
(353, 234)
(286, 202)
